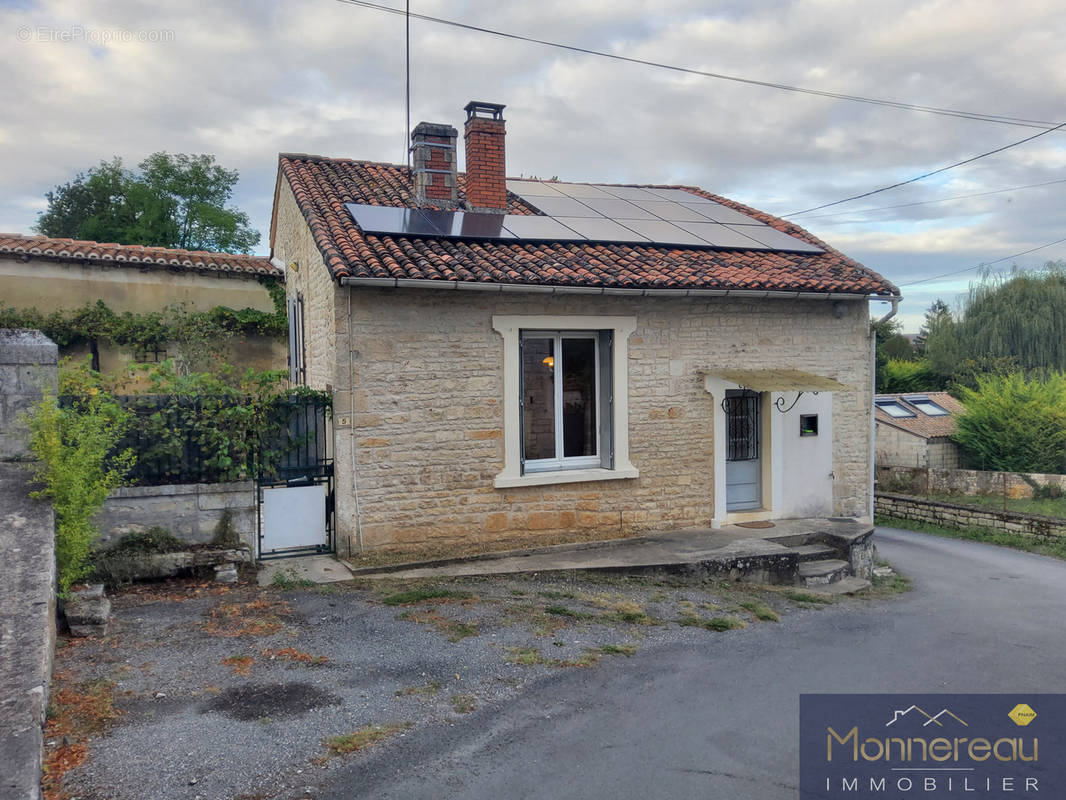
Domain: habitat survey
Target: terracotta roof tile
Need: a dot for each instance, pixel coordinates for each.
(323, 185)
(165, 257)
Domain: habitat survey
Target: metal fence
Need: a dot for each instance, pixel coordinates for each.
(196, 439)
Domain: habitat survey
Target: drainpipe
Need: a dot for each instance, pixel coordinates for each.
(873, 391)
(351, 428)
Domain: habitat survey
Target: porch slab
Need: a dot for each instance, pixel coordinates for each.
(317, 569)
(740, 553)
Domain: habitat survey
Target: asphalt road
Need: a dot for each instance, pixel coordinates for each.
(718, 717)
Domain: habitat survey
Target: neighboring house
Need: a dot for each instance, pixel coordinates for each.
(52, 274)
(715, 361)
(914, 430)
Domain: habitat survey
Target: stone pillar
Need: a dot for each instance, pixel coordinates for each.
(28, 366)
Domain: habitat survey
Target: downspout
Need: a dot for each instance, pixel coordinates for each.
(873, 392)
(351, 408)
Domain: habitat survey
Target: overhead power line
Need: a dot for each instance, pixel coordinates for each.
(930, 202)
(948, 112)
(925, 175)
(983, 264)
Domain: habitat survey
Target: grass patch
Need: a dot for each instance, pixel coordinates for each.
(1046, 546)
(1045, 506)
(463, 703)
(563, 611)
(412, 596)
(626, 650)
(288, 579)
(760, 611)
(454, 629)
(712, 624)
(557, 595)
(430, 688)
(628, 611)
(807, 597)
(893, 584)
(362, 738)
(525, 656)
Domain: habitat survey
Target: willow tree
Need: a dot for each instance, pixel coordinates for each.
(1020, 315)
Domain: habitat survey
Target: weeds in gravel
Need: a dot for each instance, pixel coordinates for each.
(617, 649)
(412, 596)
(525, 656)
(712, 624)
(563, 611)
(362, 738)
(557, 595)
(807, 597)
(463, 703)
(629, 611)
(761, 611)
(296, 656)
(241, 665)
(430, 688)
(256, 618)
(288, 579)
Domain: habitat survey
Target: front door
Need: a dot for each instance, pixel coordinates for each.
(743, 461)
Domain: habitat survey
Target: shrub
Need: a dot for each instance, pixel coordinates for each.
(77, 463)
(1015, 424)
(909, 376)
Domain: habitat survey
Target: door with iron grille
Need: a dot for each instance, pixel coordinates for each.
(743, 462)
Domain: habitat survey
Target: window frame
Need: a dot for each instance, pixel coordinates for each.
(613, 376)
(885, 403)
(297, 359)
(917, 401)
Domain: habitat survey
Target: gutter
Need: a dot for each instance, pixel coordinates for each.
(411, 283)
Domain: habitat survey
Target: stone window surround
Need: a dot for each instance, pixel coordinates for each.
(509, 327)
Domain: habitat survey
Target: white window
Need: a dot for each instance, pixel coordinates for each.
(927, 406)
(565, 405)
(297, 364)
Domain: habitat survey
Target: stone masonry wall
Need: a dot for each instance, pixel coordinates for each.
(427, 412)
(964, 481)
(27, 541)
(950, 515)
(293, 243)
(189, 511)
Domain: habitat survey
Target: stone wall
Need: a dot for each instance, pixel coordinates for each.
(189, 511)
(950, 515)
(426, 412)
(895, 447)
(27, 541)
(963, 481)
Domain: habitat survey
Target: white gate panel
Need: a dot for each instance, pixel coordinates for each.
(294, 516)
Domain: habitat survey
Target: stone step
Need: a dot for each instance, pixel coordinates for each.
(813, 552)
(823, 571)
(848, 585)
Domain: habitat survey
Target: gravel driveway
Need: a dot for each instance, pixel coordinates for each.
(201, 691)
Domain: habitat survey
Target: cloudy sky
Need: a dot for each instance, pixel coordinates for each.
(84, 81)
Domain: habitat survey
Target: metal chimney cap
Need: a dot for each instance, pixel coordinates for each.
(476, 108)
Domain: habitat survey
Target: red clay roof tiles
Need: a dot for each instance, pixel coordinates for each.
(323, 185)
(134, 254)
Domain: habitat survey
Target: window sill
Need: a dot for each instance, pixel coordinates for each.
(564, 476)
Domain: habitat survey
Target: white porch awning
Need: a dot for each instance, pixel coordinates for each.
(777, 380)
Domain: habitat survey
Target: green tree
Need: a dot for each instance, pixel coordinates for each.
(176, 201)
(1015, 424)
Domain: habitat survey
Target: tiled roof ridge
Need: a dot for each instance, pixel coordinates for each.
(114, 253)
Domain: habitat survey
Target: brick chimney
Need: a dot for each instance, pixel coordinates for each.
(434, 164)
(486, 188)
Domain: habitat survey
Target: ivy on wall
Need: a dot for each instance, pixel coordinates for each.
(151, 330)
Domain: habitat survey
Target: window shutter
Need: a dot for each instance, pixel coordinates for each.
(521, 407)
(606, 391)
(294, 375)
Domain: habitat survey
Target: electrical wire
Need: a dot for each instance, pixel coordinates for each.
(930, 202)
(983, 264)
(949, 112)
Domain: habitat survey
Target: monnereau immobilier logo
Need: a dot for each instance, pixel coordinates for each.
(932, 746)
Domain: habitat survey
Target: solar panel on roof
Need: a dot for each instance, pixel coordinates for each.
(662, 232)
(629, 192)
(562, 207)
(604, 230)
(533, 188)
(774, 239)
(381, 219)
(546, 229)
(580, 190)
(719, 213)
(717, 235)
(679, 196)
(674, 212)
(616, 208)
(467, 224)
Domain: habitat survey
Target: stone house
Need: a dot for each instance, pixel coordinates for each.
(523, 360)
(915, 429)
(52, 274)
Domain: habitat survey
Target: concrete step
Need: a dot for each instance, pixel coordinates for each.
(823, 572)
(848, 585)
(814, 552)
